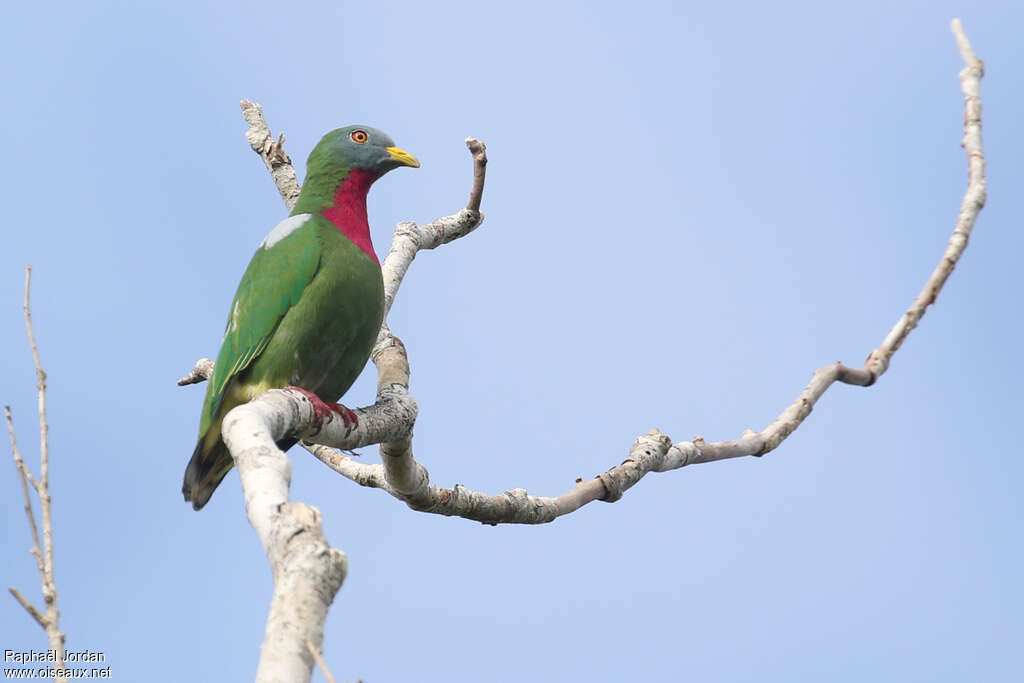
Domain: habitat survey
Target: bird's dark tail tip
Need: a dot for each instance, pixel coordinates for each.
(204, 473)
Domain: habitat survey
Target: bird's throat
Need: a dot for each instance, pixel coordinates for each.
(348, 212)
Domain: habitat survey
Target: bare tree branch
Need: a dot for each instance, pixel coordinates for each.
(29, 607)
(25, 476)
(272, 152)
(479, 152)
(199, 373)
(408, 480)
(50, 620)
(410, 238)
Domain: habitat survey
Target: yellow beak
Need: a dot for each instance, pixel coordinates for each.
(403, 157)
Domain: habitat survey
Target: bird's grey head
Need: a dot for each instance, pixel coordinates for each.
(362, 147)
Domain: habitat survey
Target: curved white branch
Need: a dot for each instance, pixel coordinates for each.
(404, 478)
(307, 571)
(409, 239)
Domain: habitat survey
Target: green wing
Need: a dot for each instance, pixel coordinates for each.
(274, 281)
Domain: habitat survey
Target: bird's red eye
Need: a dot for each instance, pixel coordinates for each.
(359, 136)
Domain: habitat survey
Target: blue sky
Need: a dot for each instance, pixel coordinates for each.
(690, 207)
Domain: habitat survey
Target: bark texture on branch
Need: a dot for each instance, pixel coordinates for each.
(307, 571)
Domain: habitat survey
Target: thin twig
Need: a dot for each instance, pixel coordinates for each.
(200, 372)
(25, 476)
(50, 620)
(49, 590)
(318, 656)
(29, 607)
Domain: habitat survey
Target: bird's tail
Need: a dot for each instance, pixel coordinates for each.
(205, 471)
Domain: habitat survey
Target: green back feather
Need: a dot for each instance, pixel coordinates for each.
(258, 307)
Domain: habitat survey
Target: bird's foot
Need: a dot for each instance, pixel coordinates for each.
(321, 409)
(349, 417)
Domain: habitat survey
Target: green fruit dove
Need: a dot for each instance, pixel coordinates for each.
(310, 304)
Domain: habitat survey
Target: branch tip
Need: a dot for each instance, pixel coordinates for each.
(29, 607)
(277, 161)
(200, 372)
(479, 151)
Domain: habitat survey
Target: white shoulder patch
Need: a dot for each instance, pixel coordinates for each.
(285, 228)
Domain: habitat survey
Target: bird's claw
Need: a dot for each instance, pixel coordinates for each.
(349, 417)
